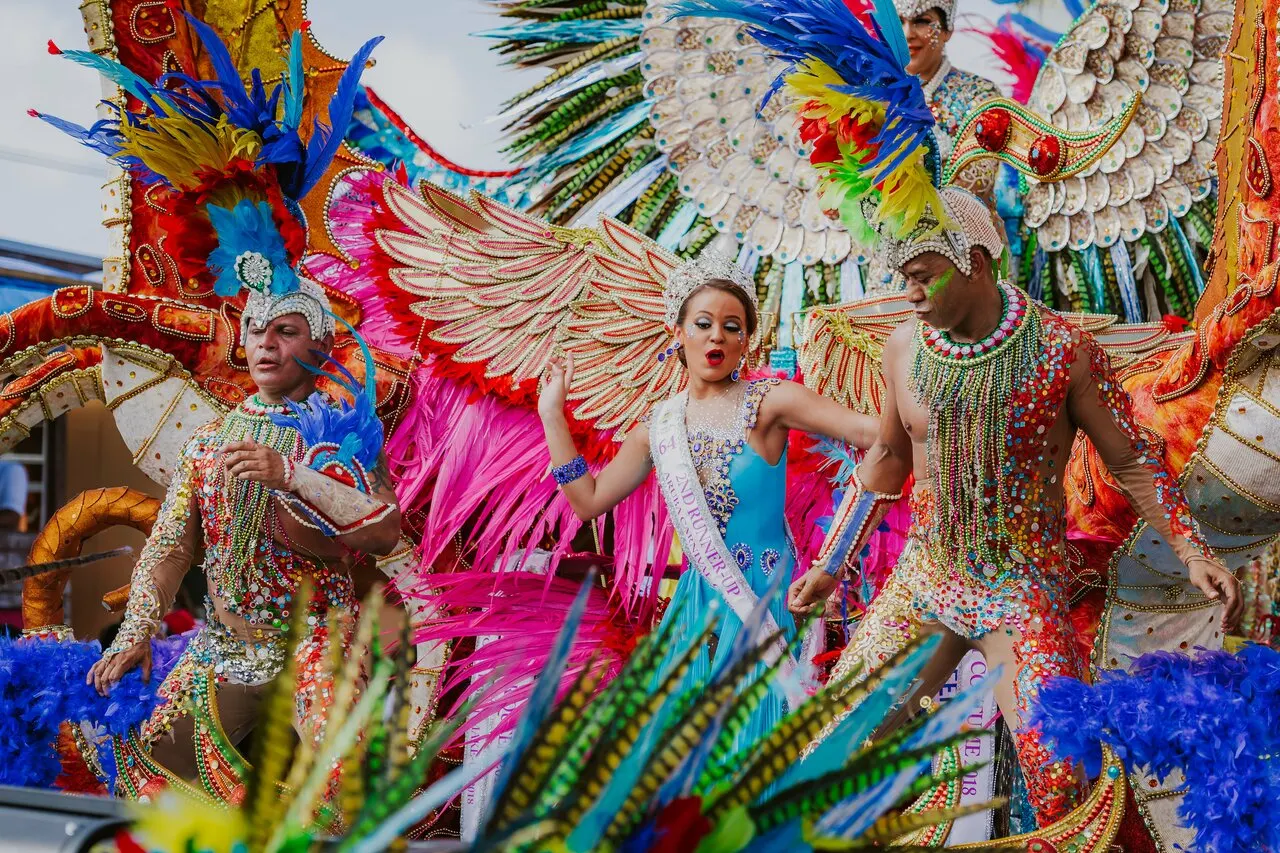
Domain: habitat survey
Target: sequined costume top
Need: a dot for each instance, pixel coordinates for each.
(1031, 578)
(254, 554)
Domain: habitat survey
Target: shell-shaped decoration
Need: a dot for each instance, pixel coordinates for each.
(744, 167)
(1161, 163)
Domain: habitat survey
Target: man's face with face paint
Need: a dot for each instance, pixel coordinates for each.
(274, 352)
(935, 289)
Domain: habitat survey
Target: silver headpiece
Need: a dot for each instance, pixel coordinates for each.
(908, 9)
(974, 227)
(691, 275)
(309, 300)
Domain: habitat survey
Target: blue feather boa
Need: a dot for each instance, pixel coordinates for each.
(1214, 716)
(42, 685)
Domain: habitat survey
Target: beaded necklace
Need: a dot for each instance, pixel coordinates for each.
(967, 389)
(250, 502)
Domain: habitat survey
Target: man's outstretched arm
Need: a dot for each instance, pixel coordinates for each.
(877, 484)
(1102, 408)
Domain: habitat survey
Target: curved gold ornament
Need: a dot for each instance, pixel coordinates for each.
(1090, 828)
(1005, 130)
(85, 515)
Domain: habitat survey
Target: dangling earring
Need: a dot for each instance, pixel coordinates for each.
(737, 371)
(671, 350)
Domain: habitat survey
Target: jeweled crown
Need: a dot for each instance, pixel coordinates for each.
(309, 300)
(908, 9)
(968, 223)
(692, 274)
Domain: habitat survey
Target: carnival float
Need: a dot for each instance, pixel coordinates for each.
(535, 671)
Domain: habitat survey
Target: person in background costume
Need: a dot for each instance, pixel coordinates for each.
(950, 93)
(985, 393)
(719, 450)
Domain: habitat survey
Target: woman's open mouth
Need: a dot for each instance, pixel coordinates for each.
(715, 357)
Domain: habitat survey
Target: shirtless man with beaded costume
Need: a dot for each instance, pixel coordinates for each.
(249, 487)
(985, 392)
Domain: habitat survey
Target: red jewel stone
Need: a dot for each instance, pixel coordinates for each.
(1045, 155)
(992, 130)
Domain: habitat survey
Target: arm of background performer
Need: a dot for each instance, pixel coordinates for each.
(164, 561)
(590, 496)
(884, 470)
(793, 406)
(1142, 474)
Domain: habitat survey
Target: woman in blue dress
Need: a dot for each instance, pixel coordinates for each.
(719, 449)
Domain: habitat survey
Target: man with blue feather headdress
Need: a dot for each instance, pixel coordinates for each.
(288, 486)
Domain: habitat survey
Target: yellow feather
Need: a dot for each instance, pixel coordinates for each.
(907, 191)
(181, 150)
(811, 83)
(175, 821)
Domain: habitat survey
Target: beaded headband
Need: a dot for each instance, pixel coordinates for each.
(908, 9)
(692, 274)
(975, 228)
(309, 300)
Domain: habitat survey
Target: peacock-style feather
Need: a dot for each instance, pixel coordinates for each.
(627, 769)
(859, 102)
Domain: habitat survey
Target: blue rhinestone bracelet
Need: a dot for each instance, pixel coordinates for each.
(573, 470)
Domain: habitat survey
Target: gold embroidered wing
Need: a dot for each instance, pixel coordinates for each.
(840, 349)
(498, 293)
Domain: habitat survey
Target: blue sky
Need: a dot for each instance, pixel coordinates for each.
(443, 81)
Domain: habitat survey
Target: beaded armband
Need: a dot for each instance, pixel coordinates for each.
(575, 469)
(855, 520)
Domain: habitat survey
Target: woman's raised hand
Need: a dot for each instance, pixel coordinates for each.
(555, 390)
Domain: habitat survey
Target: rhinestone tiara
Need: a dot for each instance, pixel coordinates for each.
(908, 9)
(309, 300)
(692, 274)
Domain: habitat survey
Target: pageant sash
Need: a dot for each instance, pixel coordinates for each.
(700, 537)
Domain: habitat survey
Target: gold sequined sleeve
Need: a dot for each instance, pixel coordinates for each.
(164, 560)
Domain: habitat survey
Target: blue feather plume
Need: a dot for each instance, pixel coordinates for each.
(248, 227)
(325, 140)
(1214, 716)
(42, 685)
(256, 108)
